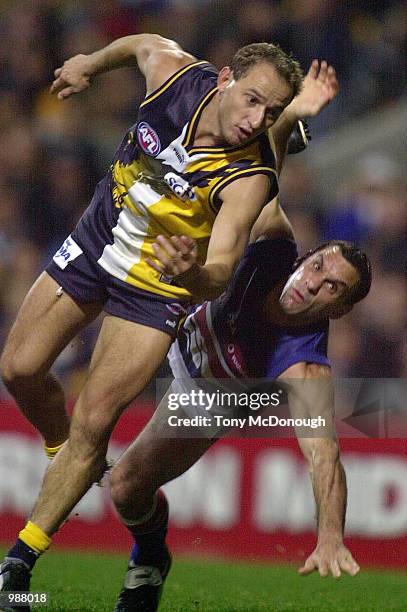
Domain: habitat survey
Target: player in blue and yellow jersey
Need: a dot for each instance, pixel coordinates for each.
(270, 324)
(197, 162)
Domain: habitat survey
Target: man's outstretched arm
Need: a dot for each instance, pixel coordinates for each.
(320, 86)
(329, 485)
(157, 58)
(311, 395)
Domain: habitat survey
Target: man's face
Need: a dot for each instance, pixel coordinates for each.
(252, 104)
(318, 288)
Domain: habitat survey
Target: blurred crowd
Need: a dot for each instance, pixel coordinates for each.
(53, 153)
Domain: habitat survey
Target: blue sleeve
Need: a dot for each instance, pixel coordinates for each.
(309, 345)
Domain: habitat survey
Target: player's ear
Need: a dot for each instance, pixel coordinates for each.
(339, 311)
(224, 78)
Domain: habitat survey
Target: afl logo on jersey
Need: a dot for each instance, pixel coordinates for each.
(148, 139)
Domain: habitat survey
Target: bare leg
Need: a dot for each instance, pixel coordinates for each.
(44, 326)
(125, 358)
(154, 458)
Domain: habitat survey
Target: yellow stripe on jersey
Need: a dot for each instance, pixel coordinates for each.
(197, 114)
(212, 151)
(271, 141)
(222, 150)
(169, 82)
(213, 194)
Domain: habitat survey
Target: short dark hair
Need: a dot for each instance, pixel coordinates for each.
(286, 66)
(357, 258)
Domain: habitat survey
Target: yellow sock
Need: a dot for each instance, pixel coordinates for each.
(51, 451)
(35, 538)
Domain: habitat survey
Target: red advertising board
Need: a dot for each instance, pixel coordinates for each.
(250, 498)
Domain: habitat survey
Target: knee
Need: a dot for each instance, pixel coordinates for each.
(15, 371)
(121, 490)
(129, 487)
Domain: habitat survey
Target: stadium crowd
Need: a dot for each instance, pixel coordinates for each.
(53, 153)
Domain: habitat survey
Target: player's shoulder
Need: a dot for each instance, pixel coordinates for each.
(168, 62)
(181, 78)
(163, 65)
(278, 250)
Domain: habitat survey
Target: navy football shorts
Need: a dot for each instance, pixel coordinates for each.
(86, 282)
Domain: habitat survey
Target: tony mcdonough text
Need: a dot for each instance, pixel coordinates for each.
(250, 421)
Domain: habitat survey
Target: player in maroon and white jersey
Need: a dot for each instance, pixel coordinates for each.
(271, 323)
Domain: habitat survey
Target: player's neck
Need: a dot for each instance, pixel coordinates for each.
(273, 310)
(208, 132)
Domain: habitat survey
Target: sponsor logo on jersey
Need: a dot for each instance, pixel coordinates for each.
(235, 357)
(179, 186)
(67, 252)
(148, 139)
(179, 154)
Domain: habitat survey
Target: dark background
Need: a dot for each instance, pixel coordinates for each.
(52, 154)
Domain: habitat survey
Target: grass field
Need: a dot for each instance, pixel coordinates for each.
(83, 582)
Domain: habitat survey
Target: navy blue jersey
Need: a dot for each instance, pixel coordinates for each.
(231, 336)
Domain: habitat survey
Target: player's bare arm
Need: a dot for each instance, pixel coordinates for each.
(320, 86)
(157, 58)
(311, 394)
(271, 223)
(242, 202)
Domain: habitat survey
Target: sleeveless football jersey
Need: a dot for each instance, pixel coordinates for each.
(159, 183)
(231, 337)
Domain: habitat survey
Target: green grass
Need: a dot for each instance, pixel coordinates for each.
(84, 582)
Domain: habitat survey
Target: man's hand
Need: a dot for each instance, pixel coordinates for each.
(73, 77)
(320, 87)
(330, 557)
(177, 256)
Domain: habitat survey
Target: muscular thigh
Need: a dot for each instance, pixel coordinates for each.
(45, 324)
(158, 455)
(125, 359)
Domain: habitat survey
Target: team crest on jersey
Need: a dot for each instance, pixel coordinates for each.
(148, 139)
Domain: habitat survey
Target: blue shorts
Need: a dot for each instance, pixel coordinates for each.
(86, 282)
